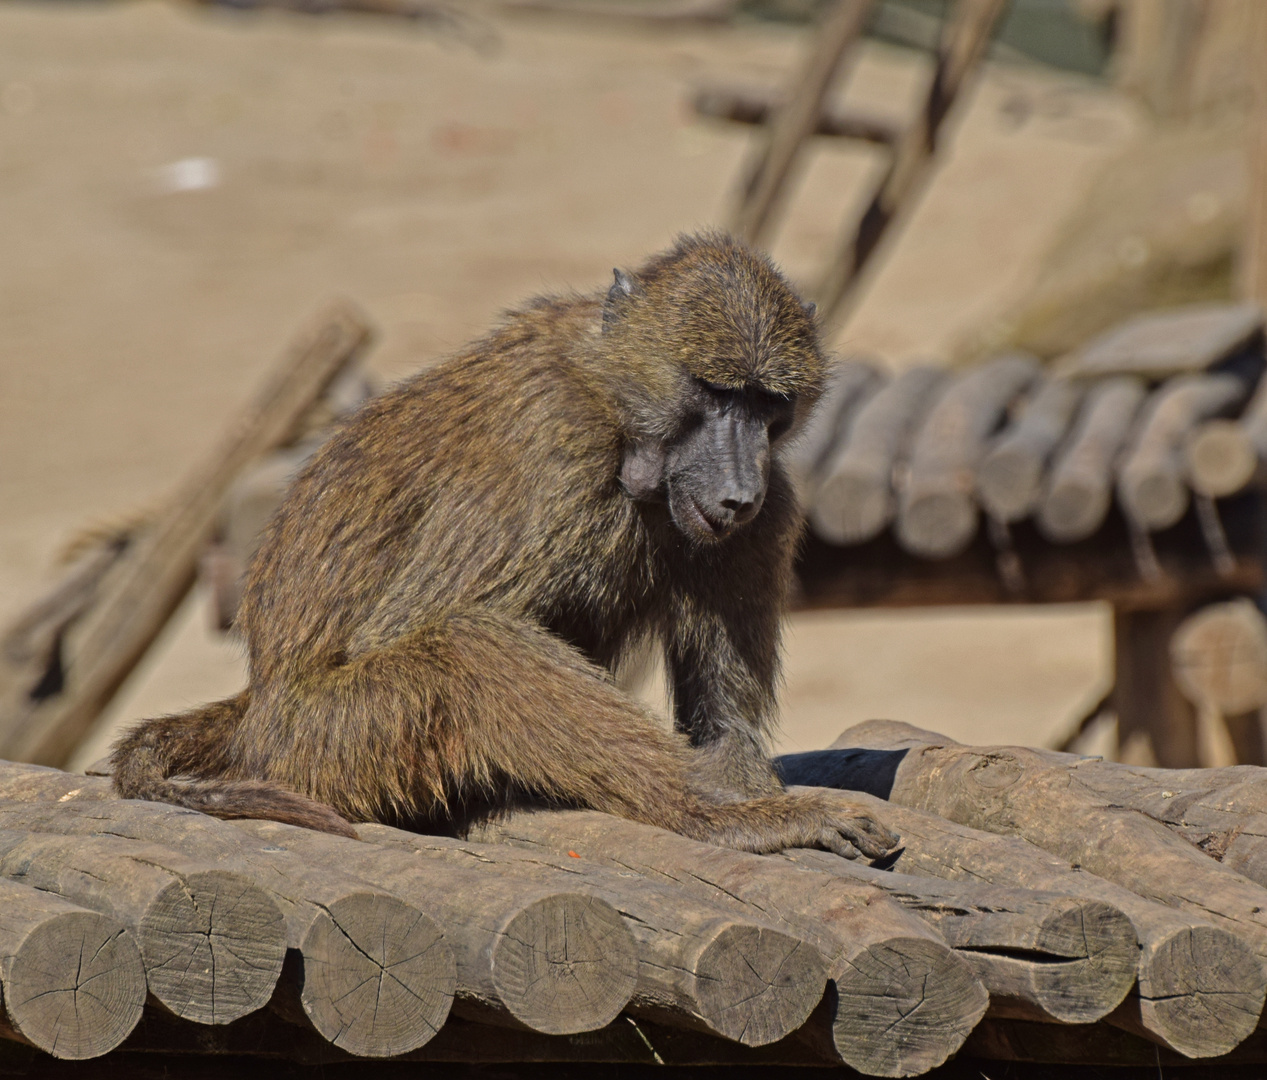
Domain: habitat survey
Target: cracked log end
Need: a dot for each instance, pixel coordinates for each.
(213, 945)
(565, 964)
(378, 976)
(1201, 993)
(76, 986)
(756, 985)
(903, 1007)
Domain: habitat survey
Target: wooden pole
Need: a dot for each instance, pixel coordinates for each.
(798, 119)
(1254, 256)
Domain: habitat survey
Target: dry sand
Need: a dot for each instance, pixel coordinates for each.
(436, 184)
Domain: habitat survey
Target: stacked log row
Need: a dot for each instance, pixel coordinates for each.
(1148, 414)
(545, 925)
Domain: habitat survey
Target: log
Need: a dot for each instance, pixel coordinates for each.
(212, 941)
(151, 577)
(1010, 476)
(700, 966)
(510, 937)
(903, 1001)
(73, 980)
(848, 389)
(1080, 485)
(1158, 345)
(1152, 477)
(1041, 955)
(965, 36)
(377, 977)
(785, 136)
(747, 106)
(937, 514)
(1200, 988)
(1225, 456)
(854, 500)
(1035, 794)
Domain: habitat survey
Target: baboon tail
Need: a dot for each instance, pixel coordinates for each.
(195, 745)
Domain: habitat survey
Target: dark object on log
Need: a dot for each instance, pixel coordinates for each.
(965, 36)
(1041, 955)
(212, 941)
(1159, 344)
(937, 514)
(854, 501)
(700, 966)
(1010, 476)
(797, 119)
(378, 979)
(73, 980)
(510, 936)
(1201, 989)
(757, 107)
(1151, 480)
(49, 700)
(852, 383)
(1080, 488)
(903, 1001)
(1226, 456)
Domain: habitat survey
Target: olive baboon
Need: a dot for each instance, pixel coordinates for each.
(434, 613)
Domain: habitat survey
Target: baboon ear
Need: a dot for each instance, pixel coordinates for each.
(623, 288)
(811, 309)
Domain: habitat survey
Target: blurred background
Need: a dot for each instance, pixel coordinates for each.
(182, 185)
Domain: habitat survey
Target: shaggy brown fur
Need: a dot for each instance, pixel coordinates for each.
(435, 611)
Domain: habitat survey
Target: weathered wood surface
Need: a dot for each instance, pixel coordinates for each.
(48, 703)
(851, 384)
(1079, 489)
(1200, 988)
(795, 121)
(699, 964)
(937, 511)
(1041, 955)
(903, 1001)
(377, 976)
(1152, 477)
(745, 105)
(1160, 344)
(212, 941)
(73, 982)
(1010, 475)
(854, 500)
(1225, 456)
(501, 936)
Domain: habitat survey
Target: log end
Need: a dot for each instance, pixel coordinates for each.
(213, 944)
(1221, 458)
(1008, 482)
(1201, 993)
(937, 524)
(758, 984)
(76, 987)
(851, 508)
(1072, 511)
(1100, 954)
(378, 976)
(903, 1006)
(565, 964)
(1153, 498)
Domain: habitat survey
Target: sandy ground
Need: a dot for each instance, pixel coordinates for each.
(436, 184)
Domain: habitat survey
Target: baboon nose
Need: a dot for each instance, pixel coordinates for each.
(742, 509)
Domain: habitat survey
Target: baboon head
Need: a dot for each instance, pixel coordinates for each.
(714, 359)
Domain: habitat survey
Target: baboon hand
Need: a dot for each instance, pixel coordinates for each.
(851, 830)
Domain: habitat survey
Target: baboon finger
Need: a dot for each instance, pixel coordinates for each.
(869, 836)
(832, 841)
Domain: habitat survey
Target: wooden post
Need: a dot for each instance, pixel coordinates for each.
(798, 119)
(1151, 709)
(1254, 256)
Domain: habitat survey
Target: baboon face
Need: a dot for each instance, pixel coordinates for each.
(713, 474)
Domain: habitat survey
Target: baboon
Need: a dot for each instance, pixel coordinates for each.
(434, 614)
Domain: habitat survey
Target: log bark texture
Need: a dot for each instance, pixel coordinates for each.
(140, 589)
(903, 1001)
(1079, 488)
(854, 500)
(1010, 476)
(73, 980)
(700, 964)
(1152, 477)
(212, 941)
(851, 384)
(1200, 988)
(937, 511)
